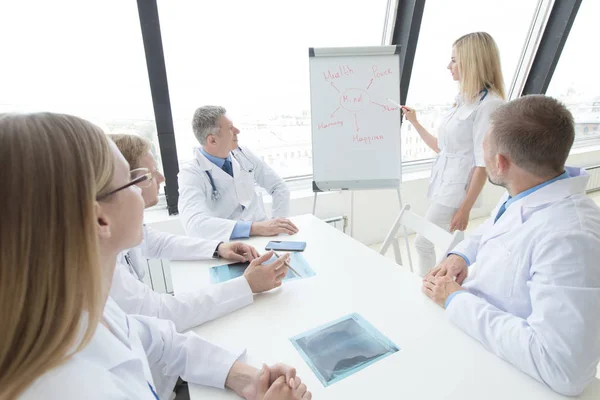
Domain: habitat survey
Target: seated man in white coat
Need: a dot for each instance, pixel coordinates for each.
(217, 196)
(186, 310)
(535, 297)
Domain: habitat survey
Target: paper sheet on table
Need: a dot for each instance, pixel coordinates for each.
(222, 273)
(343, 347)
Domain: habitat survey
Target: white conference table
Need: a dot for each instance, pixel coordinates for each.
(436, 360)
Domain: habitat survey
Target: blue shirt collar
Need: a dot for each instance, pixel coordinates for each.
(215, 160)
(527, 192)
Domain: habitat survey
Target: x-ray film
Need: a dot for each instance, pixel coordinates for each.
(222, 273)
(341, 348)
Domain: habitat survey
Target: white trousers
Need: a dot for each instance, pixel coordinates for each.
(441, 216)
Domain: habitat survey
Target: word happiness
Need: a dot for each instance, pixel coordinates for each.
(366, 139)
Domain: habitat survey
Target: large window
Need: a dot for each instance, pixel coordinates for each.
(77, 57)
(432, 90)
(576, 81)
(252, 58)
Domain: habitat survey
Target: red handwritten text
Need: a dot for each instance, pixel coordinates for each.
(343, 70)
(352, 99)
(386, 108)
(380, 74)
(366, 139)
(330, 124)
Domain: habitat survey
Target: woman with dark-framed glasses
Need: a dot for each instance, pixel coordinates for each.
(72, 209)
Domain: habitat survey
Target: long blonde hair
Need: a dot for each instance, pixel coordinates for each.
(51, 282)
(132, 147)
(479, 66)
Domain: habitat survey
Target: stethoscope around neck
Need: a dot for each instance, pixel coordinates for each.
(485, 92)
(249, 168)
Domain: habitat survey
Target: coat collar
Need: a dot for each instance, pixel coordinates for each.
(559, 190)
(111, 348)
(552, 193)
(206, 165)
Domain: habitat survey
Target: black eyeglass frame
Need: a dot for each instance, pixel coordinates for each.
(146, 176)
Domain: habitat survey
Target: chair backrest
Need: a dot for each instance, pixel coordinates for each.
(440, 238)
(457, 237)
(430, 231)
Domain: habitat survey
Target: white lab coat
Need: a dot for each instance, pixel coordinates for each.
(535, 297)
(116, 363)
(164, 245)
(460, 140)
(185, 310)
(238, 201)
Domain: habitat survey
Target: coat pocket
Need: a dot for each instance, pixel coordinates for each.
(457, 170)
(498, 268)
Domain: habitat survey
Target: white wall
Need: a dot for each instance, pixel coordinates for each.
(375, 210)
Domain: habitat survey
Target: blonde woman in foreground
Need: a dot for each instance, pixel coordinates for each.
(458, 173)
(72, 207)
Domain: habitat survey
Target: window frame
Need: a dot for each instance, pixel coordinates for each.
(545, 40)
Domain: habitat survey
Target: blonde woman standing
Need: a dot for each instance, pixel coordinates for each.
(458, 173)
(73, 206)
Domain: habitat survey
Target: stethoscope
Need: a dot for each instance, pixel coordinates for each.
(454, 109)
(485, 93)
(215, 195)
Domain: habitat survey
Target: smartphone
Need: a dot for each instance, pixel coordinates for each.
(285, 246)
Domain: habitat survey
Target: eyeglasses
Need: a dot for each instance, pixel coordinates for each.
(141, 177)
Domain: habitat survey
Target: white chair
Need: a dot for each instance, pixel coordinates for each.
(158, 275)
(440, 238)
